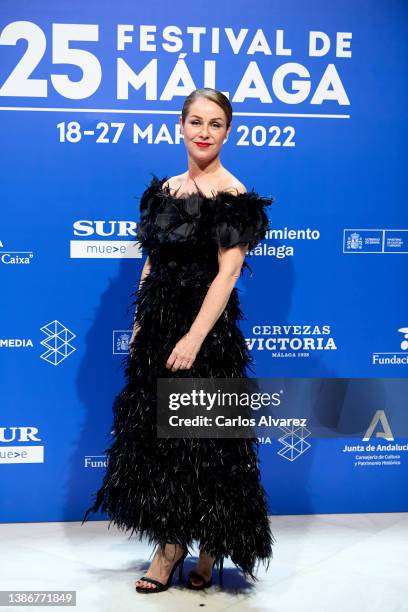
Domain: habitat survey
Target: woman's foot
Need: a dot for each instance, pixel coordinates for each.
(204, 568)
(161, 565)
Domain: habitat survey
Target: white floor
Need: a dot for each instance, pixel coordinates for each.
(321, 563)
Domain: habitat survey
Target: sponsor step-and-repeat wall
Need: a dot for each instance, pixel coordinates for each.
(90, 96)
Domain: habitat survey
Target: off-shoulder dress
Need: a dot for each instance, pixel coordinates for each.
(181, 490)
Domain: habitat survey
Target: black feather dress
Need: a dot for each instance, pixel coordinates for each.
(180, 490)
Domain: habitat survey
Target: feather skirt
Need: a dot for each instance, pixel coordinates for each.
(185, 490)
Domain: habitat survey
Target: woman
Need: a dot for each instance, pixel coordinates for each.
(196, 229)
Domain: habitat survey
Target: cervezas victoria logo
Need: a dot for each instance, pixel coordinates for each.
(289, 340)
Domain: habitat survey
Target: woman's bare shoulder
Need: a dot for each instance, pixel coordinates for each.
(233, 185)
(228, 183)
(174, 181)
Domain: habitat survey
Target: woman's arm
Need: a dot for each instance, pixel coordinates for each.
(145, 272)
(230, 263)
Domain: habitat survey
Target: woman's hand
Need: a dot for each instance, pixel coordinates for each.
(184, 353)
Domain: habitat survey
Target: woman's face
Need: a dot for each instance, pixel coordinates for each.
(205, 123)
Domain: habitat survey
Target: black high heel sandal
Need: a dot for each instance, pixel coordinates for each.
(159, 585)
(206, 583)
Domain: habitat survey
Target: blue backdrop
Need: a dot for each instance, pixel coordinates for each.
(90, 99)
